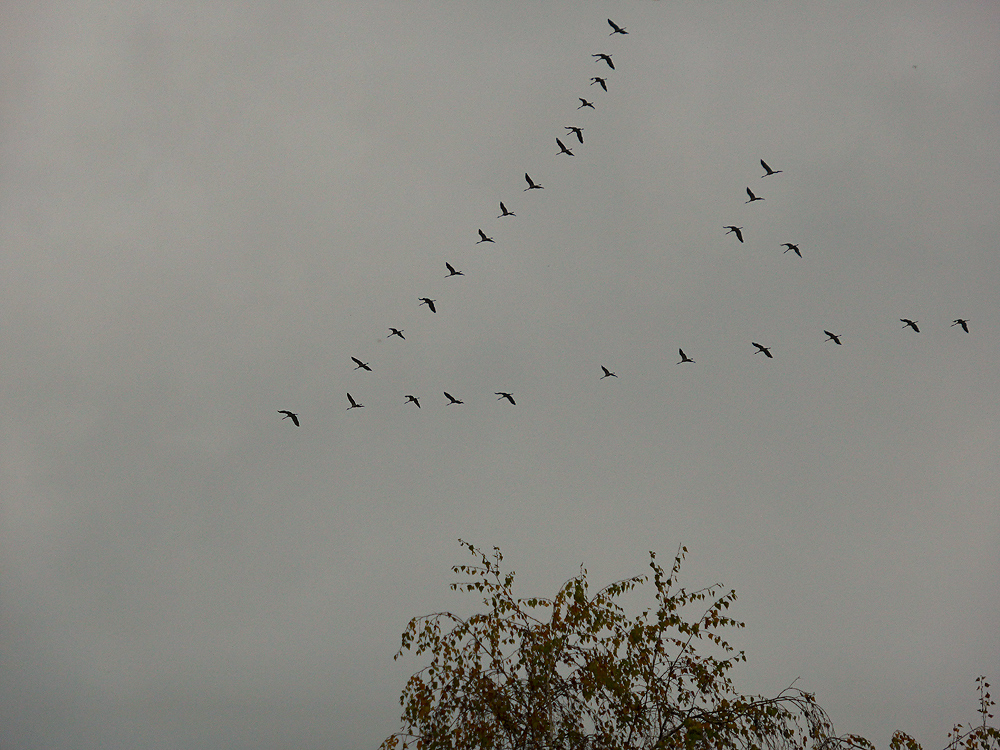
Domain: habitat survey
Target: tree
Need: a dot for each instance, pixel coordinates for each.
(980, 737)
(575, 672)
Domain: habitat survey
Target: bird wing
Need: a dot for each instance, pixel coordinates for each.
(430, 304)
(739, 235)
(295, 419)
(358, 362)
(528, 179)
(503, 208)
(449, 267)
(764, 164)
(483, 234)
(614, 25)
(351, 399)
(750, 193)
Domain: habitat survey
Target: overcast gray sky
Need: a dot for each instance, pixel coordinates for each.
(208, 208)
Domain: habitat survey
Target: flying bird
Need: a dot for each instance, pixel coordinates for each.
(961, 322)
(752, 196)
(413, 399)
(361, 365)
(562, 147)
(766, 350)
(617, 29)
(910, 324)
(483, 237)
(684, 357)
(504, 211)
(585, 103)
(602, 81)
(607, 59)
(768, 169)
(833, 337)
(789, 246)
(290, 415)
(428, 302)
(735, 230)
(396, 332)
(578, 131)
(607, 373)
(531, 184)
(508, 396)
(452, 271)
(354, 404)
(452, 399)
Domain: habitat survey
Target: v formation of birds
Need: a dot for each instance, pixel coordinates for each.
(576, 132)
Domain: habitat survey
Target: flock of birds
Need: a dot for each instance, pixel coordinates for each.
(532, 185)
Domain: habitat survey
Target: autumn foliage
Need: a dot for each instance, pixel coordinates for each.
(576, 672)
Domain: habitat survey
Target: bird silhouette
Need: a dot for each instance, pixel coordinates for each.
(531, 184)
(452, 271)
(578, 131)
(602, 81)
(361, 365)
(354, 404)
(789, 246)
(413, 399)
(752, 196)
(429, 302)
(684, 357)
(768, 169)
(767, 351)
(617, 29)
(585, 103)
(396, 332)
(735, 230)
(607, 373)
(562, 148)
(504, 211)
(290, 415)
(606, 58)
(833, 337)
(961, 322)
(508, 396)
(452, 399)
(483, 237)
(910, 324)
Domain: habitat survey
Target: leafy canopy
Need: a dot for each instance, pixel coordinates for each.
(576, 672)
